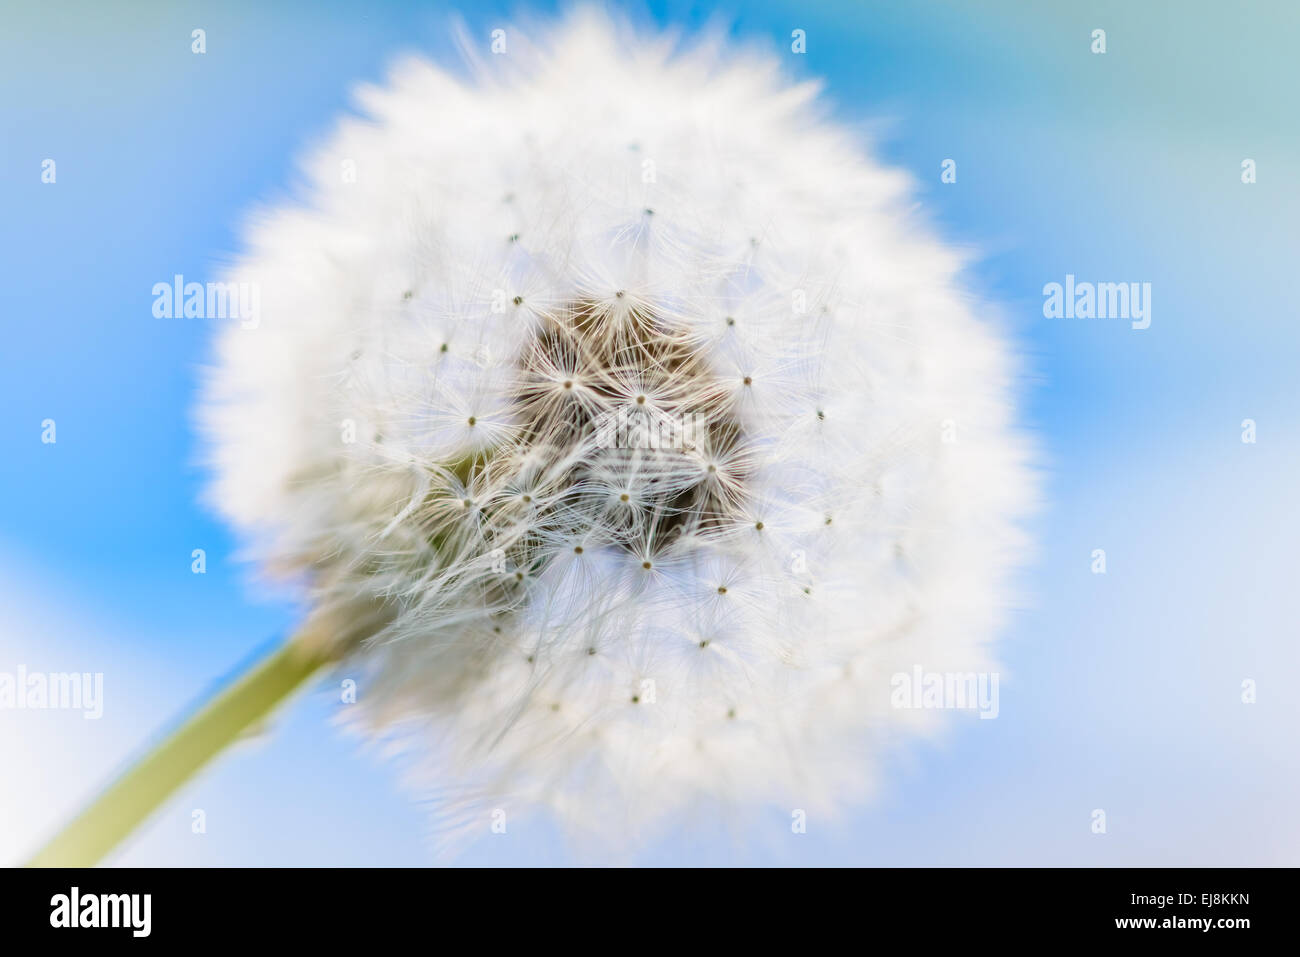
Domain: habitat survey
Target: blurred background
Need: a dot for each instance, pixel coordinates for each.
(1120, 691)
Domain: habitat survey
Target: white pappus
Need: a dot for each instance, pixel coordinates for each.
(634, 392)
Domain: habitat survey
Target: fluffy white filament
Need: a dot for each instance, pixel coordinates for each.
(633, 390)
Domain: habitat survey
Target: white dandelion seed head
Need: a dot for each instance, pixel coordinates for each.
(620, 377)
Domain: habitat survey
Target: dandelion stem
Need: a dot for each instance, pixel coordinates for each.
(144, 786)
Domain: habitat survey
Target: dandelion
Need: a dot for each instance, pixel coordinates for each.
(646, 496)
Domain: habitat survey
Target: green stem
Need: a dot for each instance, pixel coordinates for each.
(144, 786)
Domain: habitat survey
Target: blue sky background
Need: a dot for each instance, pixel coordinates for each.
(1119, 692)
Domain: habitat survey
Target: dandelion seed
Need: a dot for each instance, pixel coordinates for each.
(657, 458)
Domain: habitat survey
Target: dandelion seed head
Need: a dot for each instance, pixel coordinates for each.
(608, 450)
